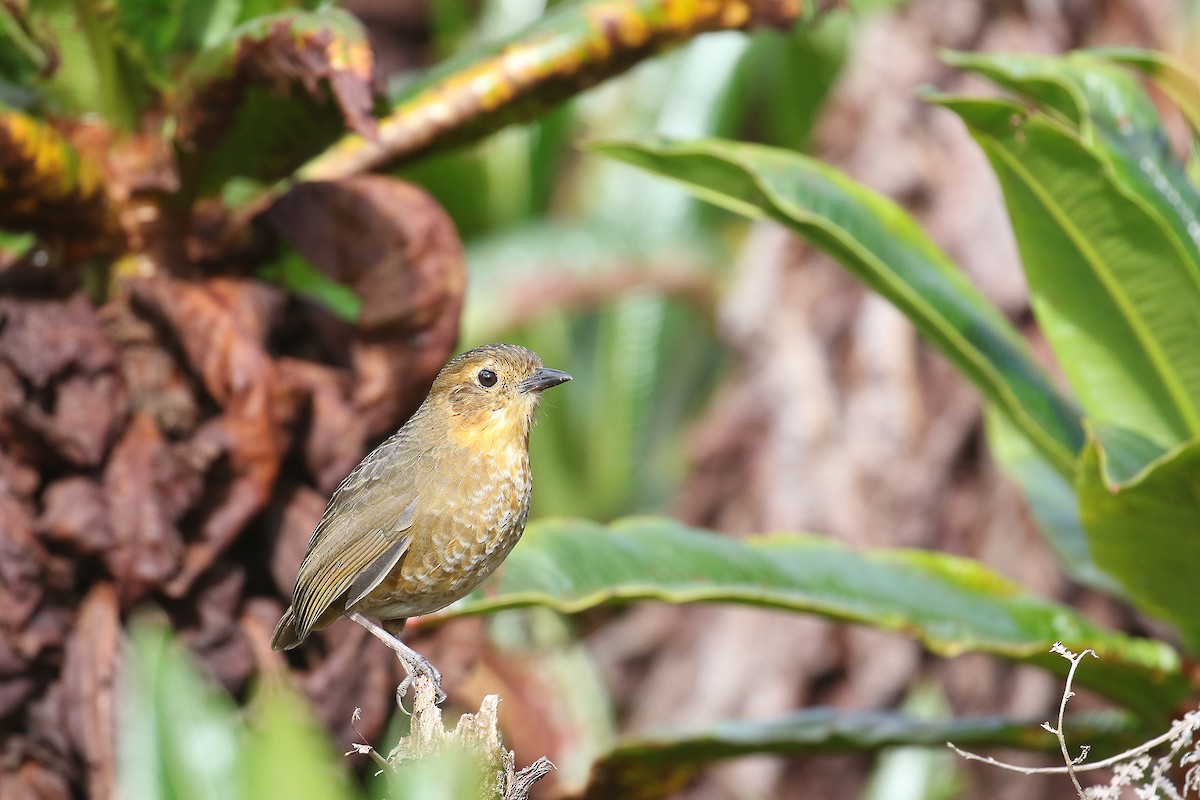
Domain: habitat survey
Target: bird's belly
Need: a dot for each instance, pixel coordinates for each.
(455, 550)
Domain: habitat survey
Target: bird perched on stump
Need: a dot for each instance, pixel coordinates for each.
(432, 511)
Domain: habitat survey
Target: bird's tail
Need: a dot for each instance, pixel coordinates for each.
(286, 636)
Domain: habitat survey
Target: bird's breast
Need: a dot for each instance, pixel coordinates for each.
(475, 517)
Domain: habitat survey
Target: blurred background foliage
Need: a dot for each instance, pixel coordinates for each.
(626, 280)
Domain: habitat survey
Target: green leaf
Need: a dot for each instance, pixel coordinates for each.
(287, 753)
(658, 765)
(1115, 296)
(951, 604)
(93, 70)
(1175, 77)
(1051, 499)
(294, 272)
(178, 737)
(1145, 532)
(879, 243)
(1117, 123)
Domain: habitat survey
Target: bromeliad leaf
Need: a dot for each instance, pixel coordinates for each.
(951, 604)
(878, 242)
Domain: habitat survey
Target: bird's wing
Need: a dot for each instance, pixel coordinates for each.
(364, 533)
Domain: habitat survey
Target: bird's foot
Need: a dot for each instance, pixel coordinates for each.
(414, 663)
(419, 666)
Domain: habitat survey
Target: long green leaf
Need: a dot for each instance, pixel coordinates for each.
(1146, 532)
(951, 604)
(1114, 295)
(658, 765)
(1118, 124)
(878, 242)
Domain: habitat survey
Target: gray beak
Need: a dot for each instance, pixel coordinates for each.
(544, 378)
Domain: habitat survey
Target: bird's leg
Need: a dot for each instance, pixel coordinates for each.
(414, 663)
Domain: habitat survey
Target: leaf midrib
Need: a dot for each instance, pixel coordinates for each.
(1141, 332)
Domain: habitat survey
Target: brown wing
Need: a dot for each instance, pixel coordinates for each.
(365, 531)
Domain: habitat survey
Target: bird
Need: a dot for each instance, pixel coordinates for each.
(431, 512)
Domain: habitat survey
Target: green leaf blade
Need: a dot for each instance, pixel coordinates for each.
(1114, 295)
(655, 765)
(880, 244)
(1144, 532)
(950, 604)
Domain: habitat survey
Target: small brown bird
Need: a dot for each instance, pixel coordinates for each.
(429, 513)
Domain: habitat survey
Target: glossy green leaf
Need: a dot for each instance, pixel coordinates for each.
(877, 241)
(1117, 123)
(1115, 296)
(1145, 532)
(659, 765)
(951, 604)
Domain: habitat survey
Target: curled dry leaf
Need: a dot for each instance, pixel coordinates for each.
(221, 326)
(156, 383)
(216, 637)
(75, 512)
(258, 104)
(62, 391)
(23, 565)
(34, 781)
(332, 435)
(90, 688)
(140, 480)
(395, 246)
(290, 523)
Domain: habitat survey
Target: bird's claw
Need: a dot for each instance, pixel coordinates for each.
(420, 667)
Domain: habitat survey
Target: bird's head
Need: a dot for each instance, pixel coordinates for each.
(489, 394)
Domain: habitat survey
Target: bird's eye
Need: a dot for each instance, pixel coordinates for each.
(487, 378)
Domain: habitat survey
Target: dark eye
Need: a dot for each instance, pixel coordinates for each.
(487, 378)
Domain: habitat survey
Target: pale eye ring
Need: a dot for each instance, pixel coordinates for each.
(487, 379)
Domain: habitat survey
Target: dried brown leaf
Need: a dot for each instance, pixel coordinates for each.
(62, 389)
(89, 700)
(216, 637)
(290, 523)
(146, 548)
(156, 383)
(332, 436)
(221, 326)
(42, 339)
(33, 781)
(23, 565)
(75, 512)
(396, 247)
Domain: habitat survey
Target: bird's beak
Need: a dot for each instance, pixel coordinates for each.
(544, 378)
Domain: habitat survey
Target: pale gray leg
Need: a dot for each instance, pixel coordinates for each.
(414, 662)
